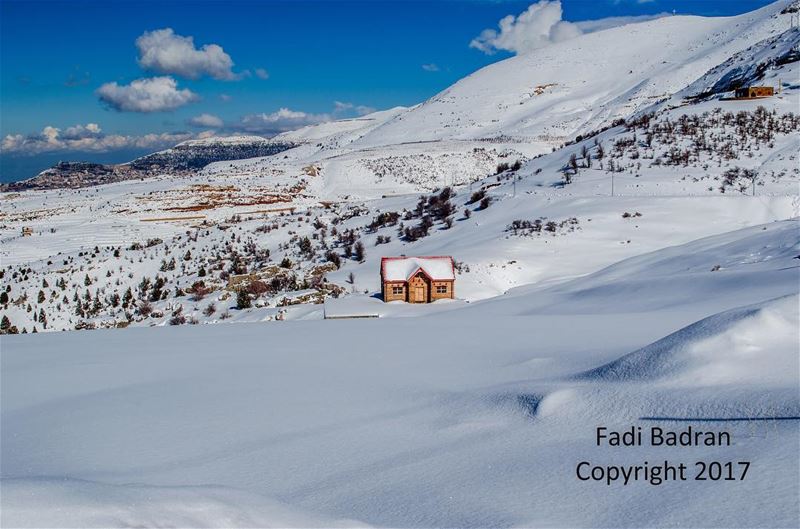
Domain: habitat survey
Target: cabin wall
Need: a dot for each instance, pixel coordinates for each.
(443, 295)
(388, 292)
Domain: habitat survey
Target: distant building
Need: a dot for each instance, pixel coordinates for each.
(27, 231)
(749, 92)
(417, 279)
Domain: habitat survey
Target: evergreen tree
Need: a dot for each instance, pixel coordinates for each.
(127, 298)
(305, 246)
(243, 299)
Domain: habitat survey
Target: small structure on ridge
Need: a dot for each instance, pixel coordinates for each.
(417, 279)
(752, 92)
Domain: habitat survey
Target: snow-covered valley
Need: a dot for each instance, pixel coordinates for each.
(626, 237)
(321, 423)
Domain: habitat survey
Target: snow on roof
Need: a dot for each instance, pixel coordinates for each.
(438, 268)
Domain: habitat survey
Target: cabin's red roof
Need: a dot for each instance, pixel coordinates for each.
(438, 268)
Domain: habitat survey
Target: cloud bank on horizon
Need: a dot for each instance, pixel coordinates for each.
(89, 138)
(540, 25)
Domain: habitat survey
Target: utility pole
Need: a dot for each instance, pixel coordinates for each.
(612, 181)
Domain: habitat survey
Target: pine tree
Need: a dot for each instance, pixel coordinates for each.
(41, 297)
(3, 298)
(5, 325)
(243, 299)
(127, 298)
(87, 281)
(305, 246)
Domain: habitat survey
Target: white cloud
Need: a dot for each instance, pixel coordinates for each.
(165, 52)
(340, 108)
(225, 97)
(261, 73)
(77, 132)
(205, 120)
(155, 94)
(285, 119)
(540, 25)
(281, 120)
(85, 138)
(536, 27)
(430, 67)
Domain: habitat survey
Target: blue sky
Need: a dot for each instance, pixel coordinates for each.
(66, 65)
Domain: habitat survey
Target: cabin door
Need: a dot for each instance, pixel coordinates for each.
(420, 294)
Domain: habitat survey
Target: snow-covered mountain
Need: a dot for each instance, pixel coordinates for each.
(533, 103)
(575, 86)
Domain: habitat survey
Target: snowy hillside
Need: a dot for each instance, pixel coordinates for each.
(533, 103)
(307, 424)
(575, 86)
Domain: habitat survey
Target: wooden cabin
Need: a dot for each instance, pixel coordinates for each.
(417, 279)
(27, 231)
(750, 92)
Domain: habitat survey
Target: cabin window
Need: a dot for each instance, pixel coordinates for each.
(441, 289)
(397, 290)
